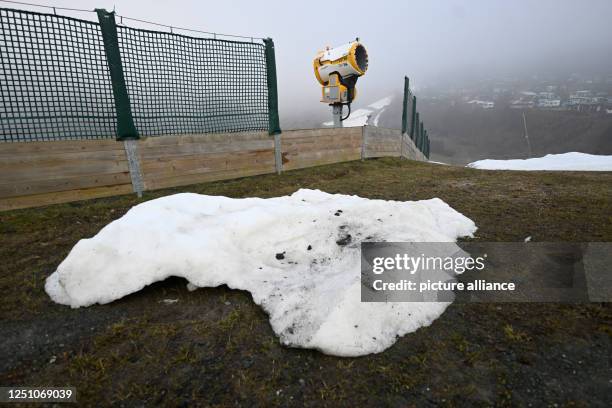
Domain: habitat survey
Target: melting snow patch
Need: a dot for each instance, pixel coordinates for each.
(362, 117)
(382, 103)
(359, 117)
(311, 293)
(572, 161)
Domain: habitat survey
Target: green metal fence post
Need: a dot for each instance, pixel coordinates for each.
(414, 133)
(413, 119)
(421, 134)
(273, 118)
(125, 122)
(423, 141)
(405, 105)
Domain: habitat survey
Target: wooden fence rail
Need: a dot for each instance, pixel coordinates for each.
(41, 173)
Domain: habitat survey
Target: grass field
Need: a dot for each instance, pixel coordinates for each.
(216, 346)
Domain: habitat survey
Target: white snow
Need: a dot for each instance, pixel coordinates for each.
(377, 118)
(312, 295)
(382, 103)
(572, 161)
(361, 117)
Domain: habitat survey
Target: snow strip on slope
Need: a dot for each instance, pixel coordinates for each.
(572, 161)
(361, 117)
(382, 103)
(312, 293)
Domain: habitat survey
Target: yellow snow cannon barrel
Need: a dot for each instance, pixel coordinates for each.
(337, 70)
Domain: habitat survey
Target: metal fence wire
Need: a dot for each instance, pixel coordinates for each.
(180, 84)
(65, 78)
(54, 80)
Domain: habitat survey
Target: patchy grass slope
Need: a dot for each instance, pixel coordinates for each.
(216, 345)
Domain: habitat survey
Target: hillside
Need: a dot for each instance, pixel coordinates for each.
(464, 133)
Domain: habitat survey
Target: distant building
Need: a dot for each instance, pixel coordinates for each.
(546, 95)
(580, 98)
(526, 100)
(549, 103)
(586, 98)
(482, 104)
(522, 104)
(583, 94)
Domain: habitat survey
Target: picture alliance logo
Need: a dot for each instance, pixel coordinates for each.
(442, 286)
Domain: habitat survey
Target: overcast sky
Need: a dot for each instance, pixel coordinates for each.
(426, 40)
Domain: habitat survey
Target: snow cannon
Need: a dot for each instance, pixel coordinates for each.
(337, 70)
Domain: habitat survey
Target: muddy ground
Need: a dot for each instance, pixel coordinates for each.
(214, 347)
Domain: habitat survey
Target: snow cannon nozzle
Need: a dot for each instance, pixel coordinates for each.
(337, 70)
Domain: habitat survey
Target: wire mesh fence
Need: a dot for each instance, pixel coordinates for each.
(54, 80)
(65, 78)
(411, 121)
(179, 84)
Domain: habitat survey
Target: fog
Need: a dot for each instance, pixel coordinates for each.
(432, 42)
